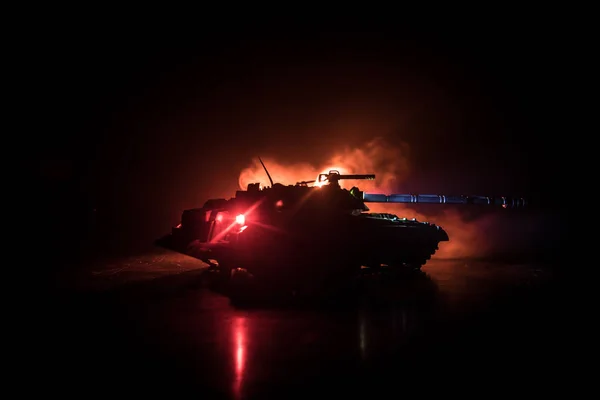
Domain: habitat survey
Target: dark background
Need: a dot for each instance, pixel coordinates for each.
(141, 124)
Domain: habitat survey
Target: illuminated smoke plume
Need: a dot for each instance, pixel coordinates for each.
(389, 163)
(391, 166)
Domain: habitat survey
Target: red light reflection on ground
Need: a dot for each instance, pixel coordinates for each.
(239, 337)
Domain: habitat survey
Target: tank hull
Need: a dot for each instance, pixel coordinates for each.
(318, 246)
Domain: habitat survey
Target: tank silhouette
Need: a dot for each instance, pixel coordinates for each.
(312, 230)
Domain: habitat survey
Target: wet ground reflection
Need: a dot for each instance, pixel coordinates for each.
(195, 338)
(381, 328)
(239, 334)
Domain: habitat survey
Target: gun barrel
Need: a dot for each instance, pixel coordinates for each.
(443, 199)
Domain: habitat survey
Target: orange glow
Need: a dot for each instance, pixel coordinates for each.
(240, 219)
(219, 217)
(388, 162)
(391, 166)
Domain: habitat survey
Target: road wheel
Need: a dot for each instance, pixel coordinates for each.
(222, 274)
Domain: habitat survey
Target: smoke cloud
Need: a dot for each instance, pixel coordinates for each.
(391, 165)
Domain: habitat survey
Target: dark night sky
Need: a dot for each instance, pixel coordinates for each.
(145, 125)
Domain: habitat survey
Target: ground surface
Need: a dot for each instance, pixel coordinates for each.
(149, 323)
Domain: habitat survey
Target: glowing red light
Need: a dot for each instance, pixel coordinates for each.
(240, 219)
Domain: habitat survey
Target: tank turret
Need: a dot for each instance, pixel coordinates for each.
(311, 230)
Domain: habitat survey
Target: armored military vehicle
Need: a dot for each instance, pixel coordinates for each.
(312, 231)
